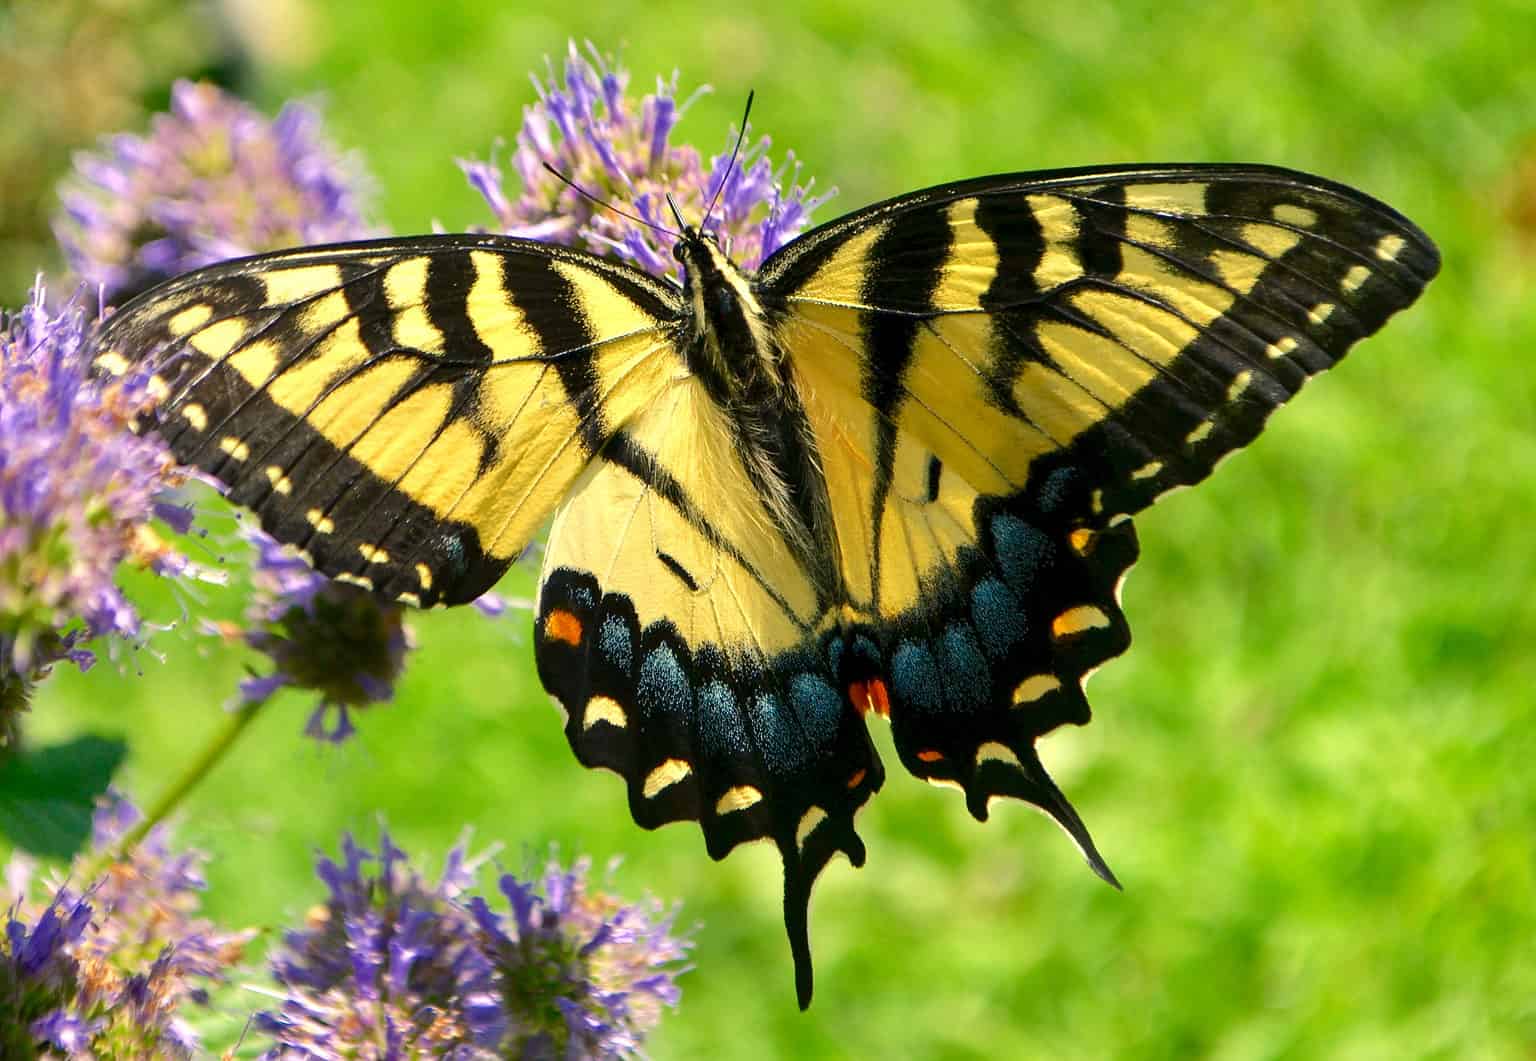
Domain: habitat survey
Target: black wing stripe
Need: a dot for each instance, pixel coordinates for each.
(623, 452)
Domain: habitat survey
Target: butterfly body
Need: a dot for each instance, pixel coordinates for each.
(890, 474)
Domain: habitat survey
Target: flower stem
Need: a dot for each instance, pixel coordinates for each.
(223, 740)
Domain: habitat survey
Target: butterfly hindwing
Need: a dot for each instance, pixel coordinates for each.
(686, 642)
(1001, 372)
(407, 412)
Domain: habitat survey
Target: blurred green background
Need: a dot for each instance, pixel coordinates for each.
(1313, 771)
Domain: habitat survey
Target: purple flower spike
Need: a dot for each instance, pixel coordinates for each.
(434, 972)
(214, 179)
(105, 974)
(587, 128)
(80, 495)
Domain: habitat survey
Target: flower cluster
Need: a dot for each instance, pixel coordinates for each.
(588, 129)
(394, 966)
(105, 973)
(327, 637)
(214, 179)
(79, 495)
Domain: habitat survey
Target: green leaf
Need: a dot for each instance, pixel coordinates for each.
(47, 795)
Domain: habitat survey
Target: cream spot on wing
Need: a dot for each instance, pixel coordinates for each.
(189, 320)
(279, 480)
(287, 286)
(112, 363)
(1389, 247)
(1280, 347)
(604, 709)
(216, 340)
(737, 798)
(1271, 239)
(1240, 383)
(353, 580)
(320, 521)
(1320, 312)
(373, 554)
(158, 389)
(235, 448)
(1147, 471)
(669, 773)
(1239, 271)
(1356, 276)
(1034, 687)
(1174, 198)
(195, 415)
(808, 823)
(1200, 433)
(424, 576)
(1293, 214)
(1077, 620)
(409, 598)
(994, 752)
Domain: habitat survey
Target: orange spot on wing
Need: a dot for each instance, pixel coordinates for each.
(930, 755)
(879, 698)
(870, 695)
(561, 625)
(856, 779)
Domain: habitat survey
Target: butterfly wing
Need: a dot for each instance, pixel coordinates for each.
(1001, 372)
(682, 632)
(408, 412)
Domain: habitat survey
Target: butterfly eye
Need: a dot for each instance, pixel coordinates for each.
(677, 251)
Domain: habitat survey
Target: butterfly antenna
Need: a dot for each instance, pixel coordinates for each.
(675, 213)
(579, 190)
(730, 167)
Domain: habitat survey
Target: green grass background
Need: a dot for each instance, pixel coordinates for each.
(1313, 771)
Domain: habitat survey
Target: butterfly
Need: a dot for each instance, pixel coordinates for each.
(892, 473)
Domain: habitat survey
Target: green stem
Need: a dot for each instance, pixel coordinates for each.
(215, 750)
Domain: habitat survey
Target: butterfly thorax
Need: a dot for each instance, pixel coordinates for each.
(729, 337)
(731, 345)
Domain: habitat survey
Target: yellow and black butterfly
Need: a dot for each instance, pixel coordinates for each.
(892, 472)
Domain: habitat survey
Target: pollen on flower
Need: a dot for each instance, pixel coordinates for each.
(589, 128)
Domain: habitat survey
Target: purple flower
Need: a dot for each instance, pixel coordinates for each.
(214, 179)
(80, 495)
(327, 637)
(104, 974)
(607, 967)
(587, 128)
(429, 971)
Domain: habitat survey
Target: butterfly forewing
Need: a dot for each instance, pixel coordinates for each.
(407, 412)
(1000, 372)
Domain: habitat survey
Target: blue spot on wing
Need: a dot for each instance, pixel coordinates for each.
(967, 678)
(817, 706)
(999, 617)
(916, 678)
(613, 641)
(1022, 551)
(719, 723)
(778, 739)
(663, 687)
